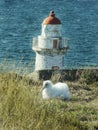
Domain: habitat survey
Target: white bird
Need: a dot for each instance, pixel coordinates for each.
(58, 90)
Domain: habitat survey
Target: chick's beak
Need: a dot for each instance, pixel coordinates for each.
(42, 88)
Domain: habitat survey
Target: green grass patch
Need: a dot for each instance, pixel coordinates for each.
(22, 106)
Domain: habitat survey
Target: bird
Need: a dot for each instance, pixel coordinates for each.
(59, 90)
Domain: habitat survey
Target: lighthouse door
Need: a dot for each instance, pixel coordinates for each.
(54, 43)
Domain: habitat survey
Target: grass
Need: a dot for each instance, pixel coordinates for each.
(22, 107)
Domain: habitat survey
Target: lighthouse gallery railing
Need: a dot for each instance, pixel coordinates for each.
(63, 43)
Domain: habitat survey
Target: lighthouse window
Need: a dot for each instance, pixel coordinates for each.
(54, 43)
(55, 68)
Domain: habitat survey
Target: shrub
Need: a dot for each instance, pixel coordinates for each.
(89, 76)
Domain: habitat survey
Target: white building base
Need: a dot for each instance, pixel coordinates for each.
(49, 62)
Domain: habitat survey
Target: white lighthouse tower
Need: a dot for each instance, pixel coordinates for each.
(50, 46)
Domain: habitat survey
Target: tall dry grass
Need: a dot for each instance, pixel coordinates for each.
(22, 107)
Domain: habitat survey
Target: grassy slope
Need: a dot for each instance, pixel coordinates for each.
(22, 107)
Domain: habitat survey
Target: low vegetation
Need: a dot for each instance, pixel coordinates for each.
(22, 107)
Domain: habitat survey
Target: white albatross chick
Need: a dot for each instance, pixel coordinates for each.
(58, 90)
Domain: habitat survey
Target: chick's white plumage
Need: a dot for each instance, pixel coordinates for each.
(58, 90)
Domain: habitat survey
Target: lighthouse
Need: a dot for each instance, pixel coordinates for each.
(50, 47)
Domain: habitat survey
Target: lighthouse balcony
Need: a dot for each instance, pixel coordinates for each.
(44, 44)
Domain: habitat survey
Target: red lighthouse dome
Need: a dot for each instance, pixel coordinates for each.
(51, 19)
